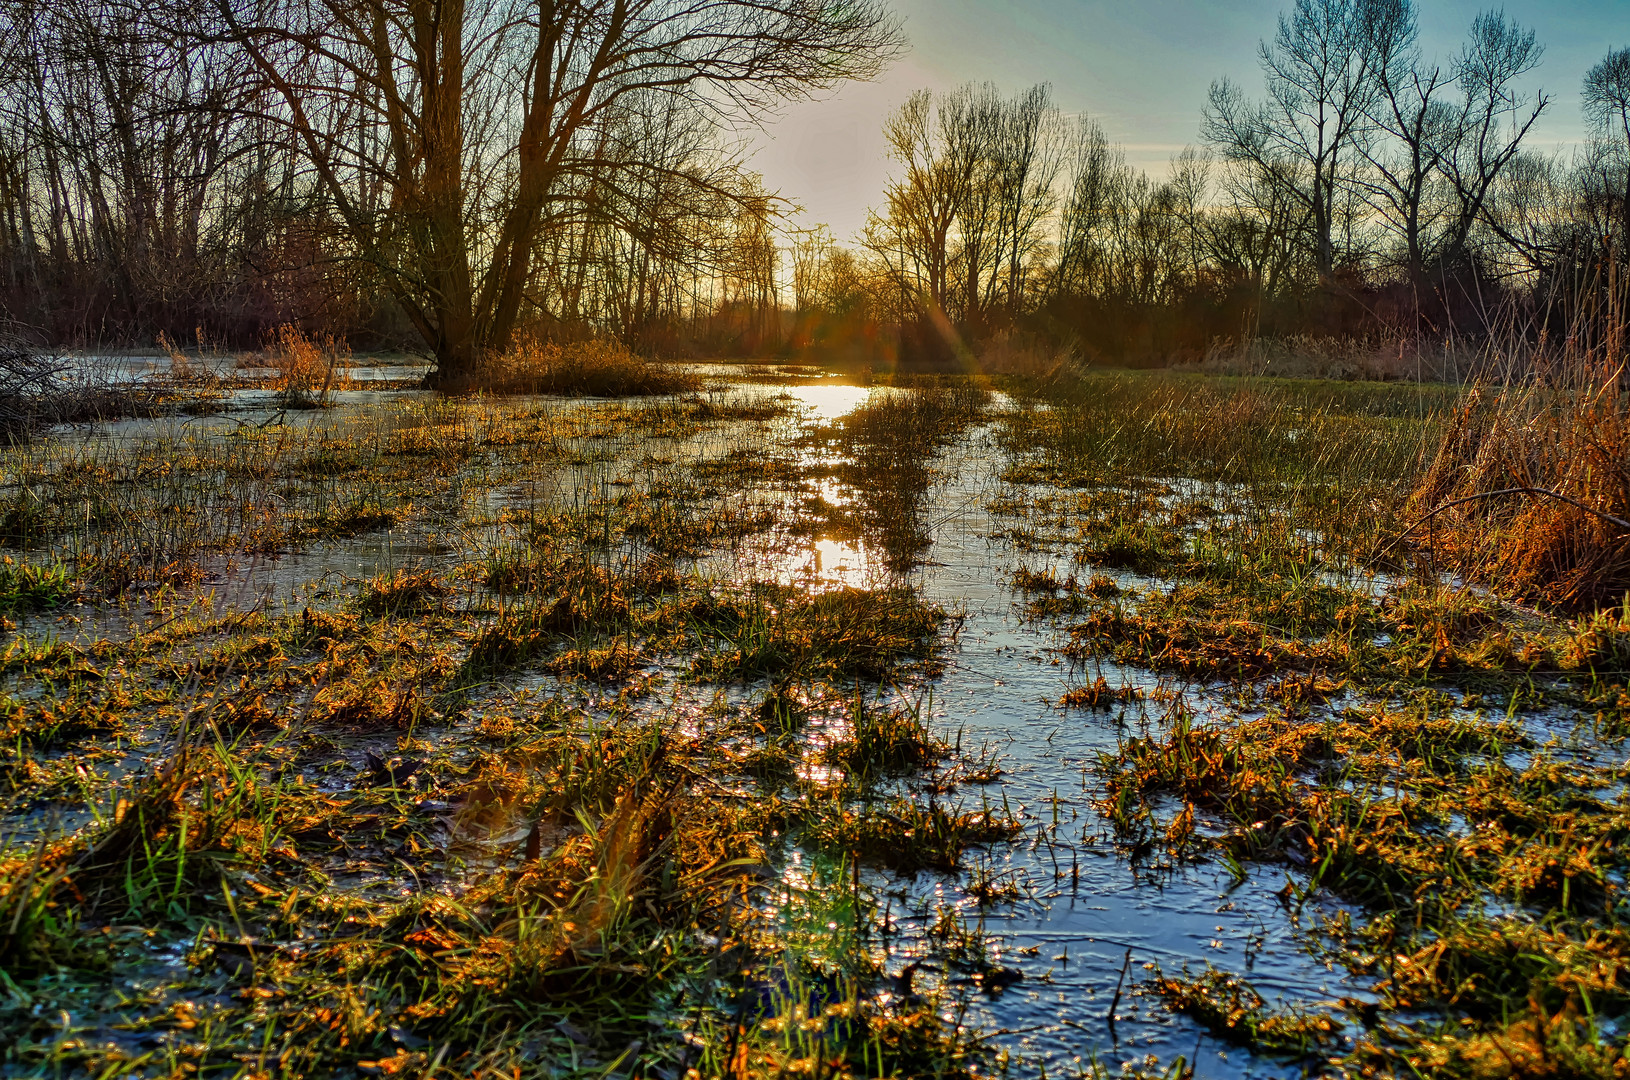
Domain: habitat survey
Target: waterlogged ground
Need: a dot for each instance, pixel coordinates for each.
(792, 727)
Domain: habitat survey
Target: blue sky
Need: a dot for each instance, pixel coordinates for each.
(1141, 68)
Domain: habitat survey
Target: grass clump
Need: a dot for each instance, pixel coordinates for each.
(609, 664)
(598, 368)
(907, 837)
(841, 633)
(405, 593)
(1100, 695)
(27, 587)
(885, 742)
(1206, 631)
(1232, 1010)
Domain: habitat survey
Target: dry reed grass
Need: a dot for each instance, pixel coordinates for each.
(1016, 356)
(308, 368)
(1543, 469)
(583, 369)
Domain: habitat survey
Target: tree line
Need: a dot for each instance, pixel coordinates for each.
(1367, 189)
(446, 172)
(452, 174)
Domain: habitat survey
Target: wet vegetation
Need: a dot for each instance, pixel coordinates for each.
(523, 800)
(529, 736)
(1444, 763)
(925, 701)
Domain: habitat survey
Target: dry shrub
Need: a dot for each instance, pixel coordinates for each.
(37, 391)
(307, 367)
(581, 369)
(181, 367)
(1573, 441)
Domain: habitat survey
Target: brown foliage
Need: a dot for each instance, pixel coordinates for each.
(1573, 442)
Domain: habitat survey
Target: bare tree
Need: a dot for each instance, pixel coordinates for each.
(1494, 119)
(937, 143)
(1415, 129)
(1607, 110)
(1259, 235)
(467, 113)
(1097, 174)
(1026, 161)
(1320, 79)
(811, 252)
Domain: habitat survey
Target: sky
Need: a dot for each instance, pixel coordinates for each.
(1141, 67)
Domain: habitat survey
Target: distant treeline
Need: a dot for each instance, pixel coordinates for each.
(446, 175)
(1370, 192)
(451, 177)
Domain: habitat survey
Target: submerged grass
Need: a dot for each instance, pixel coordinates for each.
(1257, 541)
(526, 799)
(470, 811)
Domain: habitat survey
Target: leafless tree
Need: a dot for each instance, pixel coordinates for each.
(1096, 173)
(970, 210)
(1493, 120)
(937, 145)
(468, 114)
(1607, 110)
(1413, 129)
(1320, 75)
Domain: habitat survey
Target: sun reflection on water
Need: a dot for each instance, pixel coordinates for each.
(835, 564)
(825, 403)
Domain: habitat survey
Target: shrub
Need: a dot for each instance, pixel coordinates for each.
(306, 367)
(1528, 482)
(584, 369)
(38, 391)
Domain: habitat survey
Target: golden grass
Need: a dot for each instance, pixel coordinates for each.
(600, 368)
(307, 367)
(1571, 441)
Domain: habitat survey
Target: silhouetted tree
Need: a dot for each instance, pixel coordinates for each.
(1320, 76)
(1607, 110)
(469, 114)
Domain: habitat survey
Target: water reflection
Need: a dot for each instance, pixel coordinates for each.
(827, 403)
(838, 564)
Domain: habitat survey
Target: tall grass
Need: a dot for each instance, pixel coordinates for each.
(306, 367)
(1529, 488)
(584, 369)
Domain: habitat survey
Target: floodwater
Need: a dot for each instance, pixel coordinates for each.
(1088, 921)
(1087, 913)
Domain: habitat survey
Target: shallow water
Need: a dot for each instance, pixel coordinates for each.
(1089, 908)
(1086, 908)
(1089, 919)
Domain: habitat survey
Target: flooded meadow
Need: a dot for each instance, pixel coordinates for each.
(798, 725)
